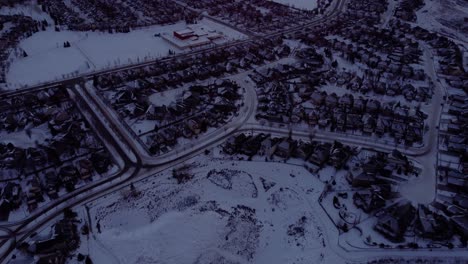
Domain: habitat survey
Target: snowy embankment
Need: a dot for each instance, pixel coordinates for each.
(48, 59)
(301, 4)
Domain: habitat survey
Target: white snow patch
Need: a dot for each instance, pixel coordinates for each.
(167, 238)
(301, 4)
(21, 139)
(166, 97)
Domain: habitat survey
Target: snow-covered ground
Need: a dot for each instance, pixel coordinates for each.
(230, 212)
(167, 97)
(301, 4)
(446, 17)
(48, 60)
(22, 139)
(31, 9)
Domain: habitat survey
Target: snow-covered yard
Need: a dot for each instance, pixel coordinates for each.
(26, 138)
(167, 97)
(48, 60)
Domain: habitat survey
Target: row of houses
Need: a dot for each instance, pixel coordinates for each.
(68, 154)
(273, 87)
(393, 63)
(376, 184)
(32, 101)
(452, 184)
(164, 139)
(375, 179)
(161, 12)
(65, 239)
(278, 103)
(422, 220)
(41, 173)
(381, 78)
(200, 108)
(396, 220)
(388, 54)
(215, 63)
(260, 16)
(367, 11)
(63, 134)
(136, 103)
(366, 40)
(382, 169)
(133, 102)
(85, 15)
(449, 54)
(282, 98)
(406, 9)
(315, 154)
(368, 116)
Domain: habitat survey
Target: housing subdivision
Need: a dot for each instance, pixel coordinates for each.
(233, 131)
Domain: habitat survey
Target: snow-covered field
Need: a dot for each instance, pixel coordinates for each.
(301, 4)
(48, 60)
(230, 212)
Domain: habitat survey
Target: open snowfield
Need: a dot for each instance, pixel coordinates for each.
(230, 212)
(48, 60)
(301, 4)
